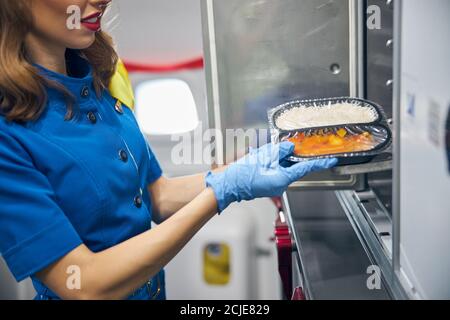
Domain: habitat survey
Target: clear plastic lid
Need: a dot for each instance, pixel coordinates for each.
(298, 115)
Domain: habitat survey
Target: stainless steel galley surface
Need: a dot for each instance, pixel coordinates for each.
(379, 54)
(333, 261)
(266, 53)
(10, 289)
(259, 54)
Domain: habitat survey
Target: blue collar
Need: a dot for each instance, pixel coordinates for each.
(81, 84)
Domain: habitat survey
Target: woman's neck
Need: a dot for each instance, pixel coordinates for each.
(51, 57)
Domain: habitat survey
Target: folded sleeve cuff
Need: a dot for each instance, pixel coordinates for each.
(42, 249)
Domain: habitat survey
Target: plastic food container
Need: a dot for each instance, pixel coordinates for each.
(352, 130)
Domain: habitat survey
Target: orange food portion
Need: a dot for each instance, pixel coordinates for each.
(332, 143)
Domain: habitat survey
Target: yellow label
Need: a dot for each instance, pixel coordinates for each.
(216, 264)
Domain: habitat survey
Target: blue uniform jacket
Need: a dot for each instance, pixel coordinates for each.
(64, 183)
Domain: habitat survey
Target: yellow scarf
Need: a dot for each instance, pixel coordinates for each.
(120, 87)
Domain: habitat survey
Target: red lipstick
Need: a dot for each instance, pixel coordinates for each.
(93, 21)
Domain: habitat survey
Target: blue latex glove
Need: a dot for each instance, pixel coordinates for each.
(259, 174)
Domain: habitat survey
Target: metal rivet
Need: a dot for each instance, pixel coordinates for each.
(335, 68)
(389, 43)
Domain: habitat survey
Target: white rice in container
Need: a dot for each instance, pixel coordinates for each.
(303, 117)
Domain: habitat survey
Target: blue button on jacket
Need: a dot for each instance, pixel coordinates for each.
(68, 182)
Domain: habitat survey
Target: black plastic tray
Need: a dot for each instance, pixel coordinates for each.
(345, 158)
(350, 157)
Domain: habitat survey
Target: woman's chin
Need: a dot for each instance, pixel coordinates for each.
(82, 42)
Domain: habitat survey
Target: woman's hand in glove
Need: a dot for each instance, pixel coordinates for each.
(259, 174)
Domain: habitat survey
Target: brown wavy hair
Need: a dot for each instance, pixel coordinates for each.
(23, 94)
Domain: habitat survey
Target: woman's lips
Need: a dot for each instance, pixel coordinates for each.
(93, 21)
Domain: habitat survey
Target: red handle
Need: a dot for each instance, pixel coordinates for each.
(283, 242)
(298, 294)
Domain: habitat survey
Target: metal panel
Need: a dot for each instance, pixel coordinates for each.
(379, 58)
(379, 55)
(332, 260)
(424, 176)
(261, 53)
(10, 289)
(371, 234)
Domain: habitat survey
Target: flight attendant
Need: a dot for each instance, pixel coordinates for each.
(79, 185)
